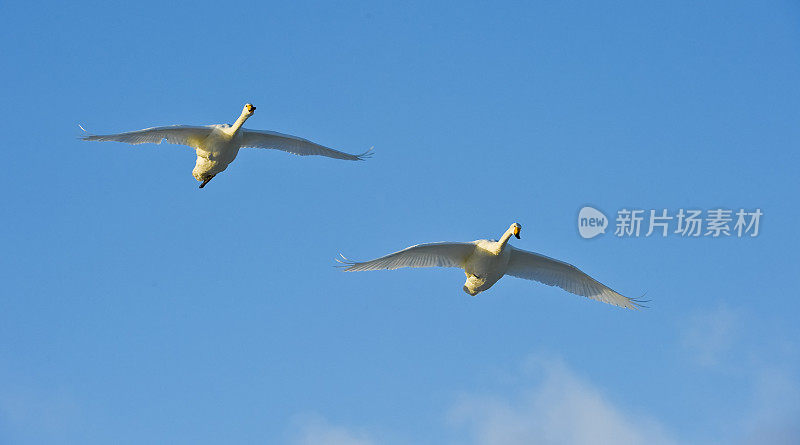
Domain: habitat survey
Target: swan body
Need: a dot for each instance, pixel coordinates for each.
(485, 266)
(486, 261)
(216, 146)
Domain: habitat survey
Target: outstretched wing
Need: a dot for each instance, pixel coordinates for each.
(294, 144)
(175, 134)
(421, 255)
(532, 266)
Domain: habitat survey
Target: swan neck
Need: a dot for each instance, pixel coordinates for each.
(239, 122)
(506, 236)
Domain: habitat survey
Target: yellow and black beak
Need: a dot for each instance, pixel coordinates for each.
(516, 231)
(250, 108)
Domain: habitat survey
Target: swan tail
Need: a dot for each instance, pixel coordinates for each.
(471, 291)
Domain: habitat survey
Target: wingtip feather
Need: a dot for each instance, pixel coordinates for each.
(344, 262)
(639, 302)
(366, 155)
(86, 136)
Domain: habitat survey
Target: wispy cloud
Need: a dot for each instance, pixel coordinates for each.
(317, 430)
(561, 408)
(550, 403)
(710, 334)
(36, 415)
(730, 340)
(775, 414)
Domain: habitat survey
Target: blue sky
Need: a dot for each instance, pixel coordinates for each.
(137, 308)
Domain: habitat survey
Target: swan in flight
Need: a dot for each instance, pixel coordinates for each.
(486, 261)
(218, 145)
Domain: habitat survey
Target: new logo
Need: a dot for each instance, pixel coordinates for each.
(591, 222)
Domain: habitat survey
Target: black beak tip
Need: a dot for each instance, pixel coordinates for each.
(517, 235)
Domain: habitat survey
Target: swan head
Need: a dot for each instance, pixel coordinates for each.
(248, 110)
(515, 229)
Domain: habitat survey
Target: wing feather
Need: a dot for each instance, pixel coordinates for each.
(295, 145)
(532, 266)
(421, 255)
(177, 134)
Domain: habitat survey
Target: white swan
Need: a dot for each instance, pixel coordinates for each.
(486, 261)
(218, 145)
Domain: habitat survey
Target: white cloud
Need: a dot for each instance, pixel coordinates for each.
(560, 409)
(315, 431)
(551, 404)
